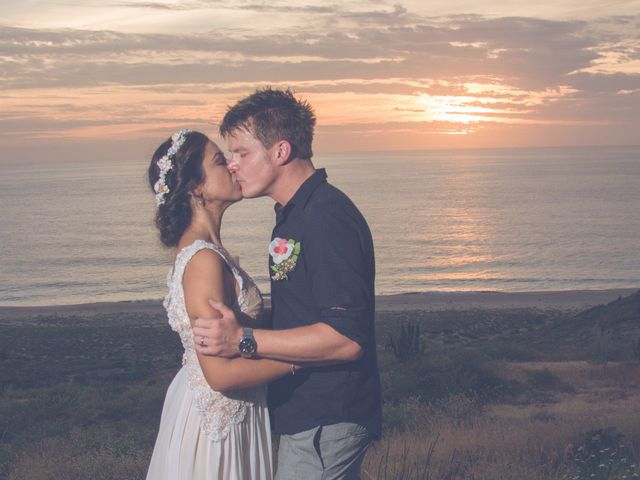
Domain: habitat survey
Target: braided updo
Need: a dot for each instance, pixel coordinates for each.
(174, 214)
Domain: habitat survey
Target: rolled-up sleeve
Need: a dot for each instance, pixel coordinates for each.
(337, 257)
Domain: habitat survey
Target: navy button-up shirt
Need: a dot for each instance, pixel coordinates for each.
(332, 282)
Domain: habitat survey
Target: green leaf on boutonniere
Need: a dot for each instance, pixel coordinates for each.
(285, 264)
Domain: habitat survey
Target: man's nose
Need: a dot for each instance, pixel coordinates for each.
(232, 165)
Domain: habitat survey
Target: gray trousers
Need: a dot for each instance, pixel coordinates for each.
(328, 452)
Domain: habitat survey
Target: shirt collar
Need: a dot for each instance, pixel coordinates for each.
(301, 197)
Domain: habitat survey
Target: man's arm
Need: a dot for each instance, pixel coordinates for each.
(338, 254)
(317, 343)
(203, 279)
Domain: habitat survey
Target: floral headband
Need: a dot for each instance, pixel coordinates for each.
(160, 187)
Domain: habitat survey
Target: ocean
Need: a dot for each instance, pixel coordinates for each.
(466, 220)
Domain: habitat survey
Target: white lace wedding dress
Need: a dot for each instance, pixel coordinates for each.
(204, 434)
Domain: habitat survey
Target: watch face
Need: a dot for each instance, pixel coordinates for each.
(247, 345)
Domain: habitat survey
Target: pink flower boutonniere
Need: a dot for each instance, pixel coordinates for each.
(285, 256)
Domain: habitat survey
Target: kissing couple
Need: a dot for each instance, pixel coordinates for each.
(307, 369)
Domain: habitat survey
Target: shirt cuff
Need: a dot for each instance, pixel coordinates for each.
(350, 322)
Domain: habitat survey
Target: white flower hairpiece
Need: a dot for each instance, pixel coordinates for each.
(160, 187)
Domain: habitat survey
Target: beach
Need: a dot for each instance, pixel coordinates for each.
(424, 301)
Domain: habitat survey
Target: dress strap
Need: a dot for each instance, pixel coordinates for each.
(187, 253)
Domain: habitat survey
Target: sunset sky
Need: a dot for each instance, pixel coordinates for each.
(382, 75)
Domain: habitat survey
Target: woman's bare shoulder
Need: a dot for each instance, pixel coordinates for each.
(203, 280)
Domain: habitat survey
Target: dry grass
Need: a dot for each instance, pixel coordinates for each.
(83, 454)
(92, 411)
(496, 446)
(526, 441)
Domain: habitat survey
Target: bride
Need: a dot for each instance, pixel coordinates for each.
(214, 423)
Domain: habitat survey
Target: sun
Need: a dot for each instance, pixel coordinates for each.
(457, 109)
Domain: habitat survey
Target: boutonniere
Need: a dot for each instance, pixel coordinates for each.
(285, 256)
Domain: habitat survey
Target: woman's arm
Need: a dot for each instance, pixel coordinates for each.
(204, 279)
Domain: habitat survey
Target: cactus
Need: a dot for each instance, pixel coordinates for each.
(408, 344)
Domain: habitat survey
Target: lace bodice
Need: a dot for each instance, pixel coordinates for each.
(219, 411)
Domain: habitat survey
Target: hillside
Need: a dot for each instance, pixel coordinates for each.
(601, 333)
(612, 330)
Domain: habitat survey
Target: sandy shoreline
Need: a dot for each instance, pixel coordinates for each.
(560, 300)
(429, 301)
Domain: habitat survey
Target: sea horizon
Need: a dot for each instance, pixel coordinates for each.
(443, 220)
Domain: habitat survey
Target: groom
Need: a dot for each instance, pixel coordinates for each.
(321, 263)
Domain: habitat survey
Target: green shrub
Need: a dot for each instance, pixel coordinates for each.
(544, 379)
(513, 352)
(441, 374)
(407, 415)
(606, 348)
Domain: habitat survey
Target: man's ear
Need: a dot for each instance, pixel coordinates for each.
(282, 152)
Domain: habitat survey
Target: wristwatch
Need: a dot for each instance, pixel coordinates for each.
(247, 344)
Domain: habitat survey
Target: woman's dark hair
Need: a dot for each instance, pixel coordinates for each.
(174, 215)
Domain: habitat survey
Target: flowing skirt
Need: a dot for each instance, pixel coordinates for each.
(183, 451)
